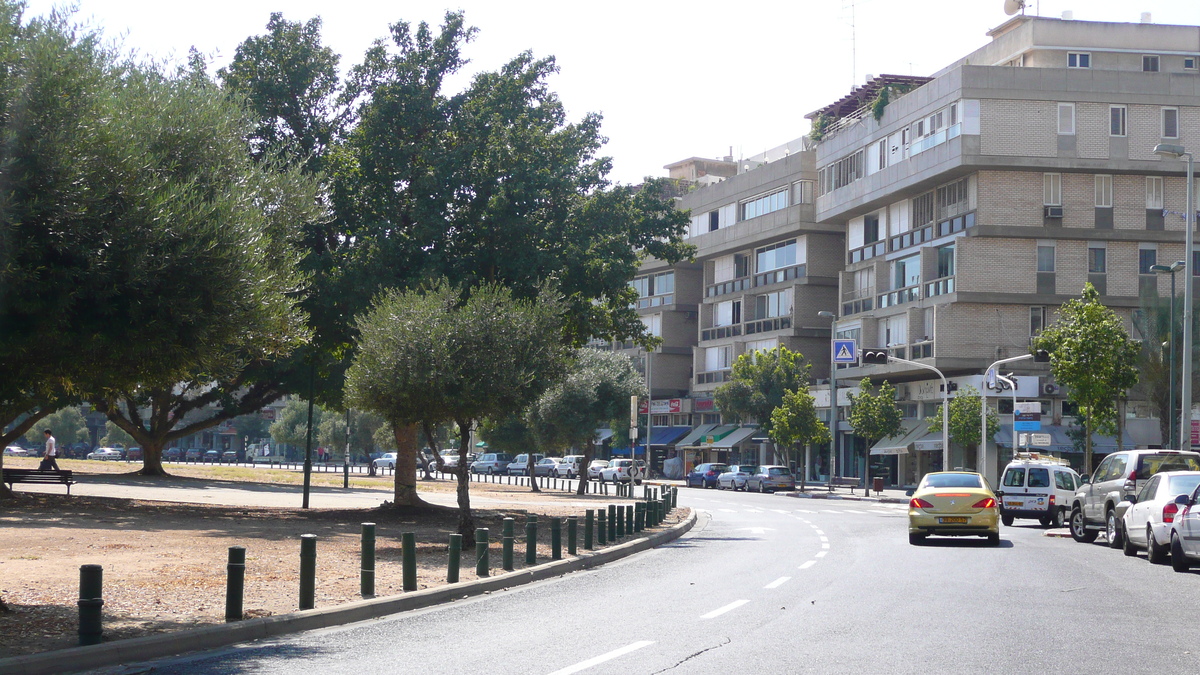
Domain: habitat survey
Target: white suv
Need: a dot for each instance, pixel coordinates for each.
(1039, 487)
(568, 467)
(622, 470)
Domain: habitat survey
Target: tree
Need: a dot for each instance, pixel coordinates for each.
(291, 427)
(252, 426)
(331, 433)
(434, 356)
(758, 385)
(1092, 354)
(115, 435)
(795, 422)
(68, 426)
(964, 427)
(874, 415)
(596, 388)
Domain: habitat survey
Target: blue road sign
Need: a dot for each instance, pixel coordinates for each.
(845, 351)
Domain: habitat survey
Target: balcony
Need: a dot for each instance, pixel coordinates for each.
(779, 276)
(655, 301)
(900, 296)
(929, 232)
(921, 350)
(939, 287)
(713, 377)
(858, 300)
(935, 140)
(726, 287)
(721, 332)
(766, 325)
(869, 251)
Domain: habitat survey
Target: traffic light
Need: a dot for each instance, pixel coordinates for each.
(876, 356)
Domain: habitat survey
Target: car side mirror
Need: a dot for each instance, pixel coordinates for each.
(1085, 479)
(1183, 500)
(1132, 499)
(1000, 493)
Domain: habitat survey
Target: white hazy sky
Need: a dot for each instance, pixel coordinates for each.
(672, 79)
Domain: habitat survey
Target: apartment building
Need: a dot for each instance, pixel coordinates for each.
(978, 200)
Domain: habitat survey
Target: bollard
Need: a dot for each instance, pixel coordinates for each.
(91, 600)
(674, 498)
(619, 530)
(629, 519)
(408, 555)
(612, 522)
(455, 558)
(589, 529)
(572, 534)
(235, 583)
(481, 552)
(531, 539)
(366, 577)
(556, 538)
(602, 527)
(508, 540)
(639, 516)
(308, 571)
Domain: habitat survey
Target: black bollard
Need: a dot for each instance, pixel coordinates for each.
(308, 571)
(556, 538)
(408, 555)
(629, 519)
(602, 527)
(482, 564)
(531, 539)
(507, 541)
(589, 525)
(366, 576)
(619, 529)
(572, 534)
(455, 558)
(235, 583)
(91, 600)
(612, 522)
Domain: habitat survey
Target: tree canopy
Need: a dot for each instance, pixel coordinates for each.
(873, 412)
(964, 427)
(759, 381)
(795, 421)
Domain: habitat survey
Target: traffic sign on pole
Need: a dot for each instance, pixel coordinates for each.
(845, 351)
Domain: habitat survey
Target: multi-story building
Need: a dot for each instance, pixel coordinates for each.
(977, 201)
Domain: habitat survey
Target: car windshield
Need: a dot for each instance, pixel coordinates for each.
(952, 480)
(1183, 485)
(1039, 477)
(1148, 465)
(718, 468)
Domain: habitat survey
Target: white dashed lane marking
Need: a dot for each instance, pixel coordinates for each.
(721, 610)
(808, 564)
(595, 661)
(777, 583)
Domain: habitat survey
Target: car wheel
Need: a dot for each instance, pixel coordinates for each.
(1127, 546)
(916, 538)
(762, 489)
(1006, 519)
(1179, 561)
(1079, 531)
(1057, 519)
(1155, 552)
(993, 539)
(1112, 528)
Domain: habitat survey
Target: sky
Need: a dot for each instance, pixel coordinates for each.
(672, 80)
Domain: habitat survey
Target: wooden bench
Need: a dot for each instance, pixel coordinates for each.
(12, 476)
(845, 481)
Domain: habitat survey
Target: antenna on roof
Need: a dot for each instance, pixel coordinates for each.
(1013, 6)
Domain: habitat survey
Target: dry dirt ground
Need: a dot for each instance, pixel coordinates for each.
(164, 562)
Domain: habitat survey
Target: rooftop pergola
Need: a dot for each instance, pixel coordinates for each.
(861, 96)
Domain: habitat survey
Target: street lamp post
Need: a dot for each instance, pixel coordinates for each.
(1185, 388)
(833, 402)
(1011, 385)
(1171, 269)
(981, 452)
(945, 406)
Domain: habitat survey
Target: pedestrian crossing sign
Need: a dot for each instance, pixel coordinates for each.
(845, 351)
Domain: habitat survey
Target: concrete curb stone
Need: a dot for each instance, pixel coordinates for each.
(78, 659)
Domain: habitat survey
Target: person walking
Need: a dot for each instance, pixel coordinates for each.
(48, 459)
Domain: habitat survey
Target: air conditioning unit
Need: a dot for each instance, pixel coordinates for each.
(1050, 389)
(1054, 211)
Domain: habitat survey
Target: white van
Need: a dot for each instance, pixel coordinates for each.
(1038, 487)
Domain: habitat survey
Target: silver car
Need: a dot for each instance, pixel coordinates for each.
(735, 478)
(1148, 516)
(771, 478)
(547, 466)
(1094, 508)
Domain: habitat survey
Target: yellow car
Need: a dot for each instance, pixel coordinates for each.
(953, 503)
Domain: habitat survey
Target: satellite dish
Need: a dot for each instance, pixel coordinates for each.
(1013, 6)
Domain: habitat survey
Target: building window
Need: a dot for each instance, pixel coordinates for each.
(1147, 257)
(1045, 257)
(727, 313)
(1170, 122)
(718, 358)
(871, 229)
(1079, 60)
(802, 192)
(922, 210)
(653, 324)
(1189, 63)
(1116, 120)
(741, 265)
(1104, 191)
(1150, 64)
(1154, 192)
(1066, 118)
(953, 198)
(771, 305)
(755, 346)
(1052, 189)
(776, 257)
(1097, 259)
(1037, 320)
(765, 204)
(945, 261)
(642, 286)
(664, 283)
(906, 272)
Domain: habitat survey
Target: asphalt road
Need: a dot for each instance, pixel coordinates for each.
(772, 584)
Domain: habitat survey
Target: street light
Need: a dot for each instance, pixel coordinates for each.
(833, 402)
(981, 452)
(1185, 393)
(881, 356)
(1171, 269)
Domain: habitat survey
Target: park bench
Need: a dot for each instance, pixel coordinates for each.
(12, 476)
(845, 481)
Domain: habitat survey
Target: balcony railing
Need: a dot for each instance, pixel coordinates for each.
(765, 325)
(934, 140)
(939, 287)
(858, 300)
(721, 332)
(900, 296)
(921, 350)
(726, 287)
(713, 376)
(869, 251)
(656, 301)
(779, 276)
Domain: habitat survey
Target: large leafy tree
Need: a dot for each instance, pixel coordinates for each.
(874, 414)
(433, 356)
(795, 422)
(758, 383)
(964, 426)
(1092, 354)
(596, 388)
(68, 426)
(291, 425)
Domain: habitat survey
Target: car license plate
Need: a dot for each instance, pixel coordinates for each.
(1014, 504)
(954, 520)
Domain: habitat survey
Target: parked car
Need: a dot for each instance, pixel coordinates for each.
(624, 470)
(173, 454)
(1038, 487)
(568, 467)
(491, 463)
(596, 466)
(953, 503)
(133, 455)
(520, 464)
(706, 475)
(450, 462)
(1146, 519)
(107, 454)
(213, 456)
(385, 461)
(734, 477)
(193, 455)
(229, 457)
(1185, 532)
(770, 478)
(1094, 507)
(17, 451)
(547, 466)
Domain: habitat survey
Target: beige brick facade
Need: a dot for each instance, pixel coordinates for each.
(1020, 128)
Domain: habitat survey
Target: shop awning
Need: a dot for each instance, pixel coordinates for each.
(734, 437)
(690, 439)
(667, 435)
(1136, 435)
(900, 443)
(717, 433)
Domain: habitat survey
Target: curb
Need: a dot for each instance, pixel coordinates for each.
(1062, 534)
(76, 659)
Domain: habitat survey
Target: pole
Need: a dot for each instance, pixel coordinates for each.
(833, 416)
(981, 452)
(312, 380)
(945, 406)
(1012, 385)
(649, 420)
(346, 463)
(1171, 380)
(1185, 396)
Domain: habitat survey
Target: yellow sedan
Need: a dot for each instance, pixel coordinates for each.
(955, 504)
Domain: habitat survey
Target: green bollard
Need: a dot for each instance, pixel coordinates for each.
(408, 556)
(366, 576)
(507, 541)
(572, 534)
(531, 540)
(235, 583)
(455, 558)
(308, 571)
(602, 527)
(620, 525)
(612, 522)
(674, 497)
(556, 538)
(639, 516)
(481, 552)
(91, 600)
(629, 519)
(589, 529)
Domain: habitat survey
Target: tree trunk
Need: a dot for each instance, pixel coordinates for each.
(1087, 444)
(1120, 426)
(587, 453)
(405, 492)
(531, 461)
(152, 459)
(466, 523)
